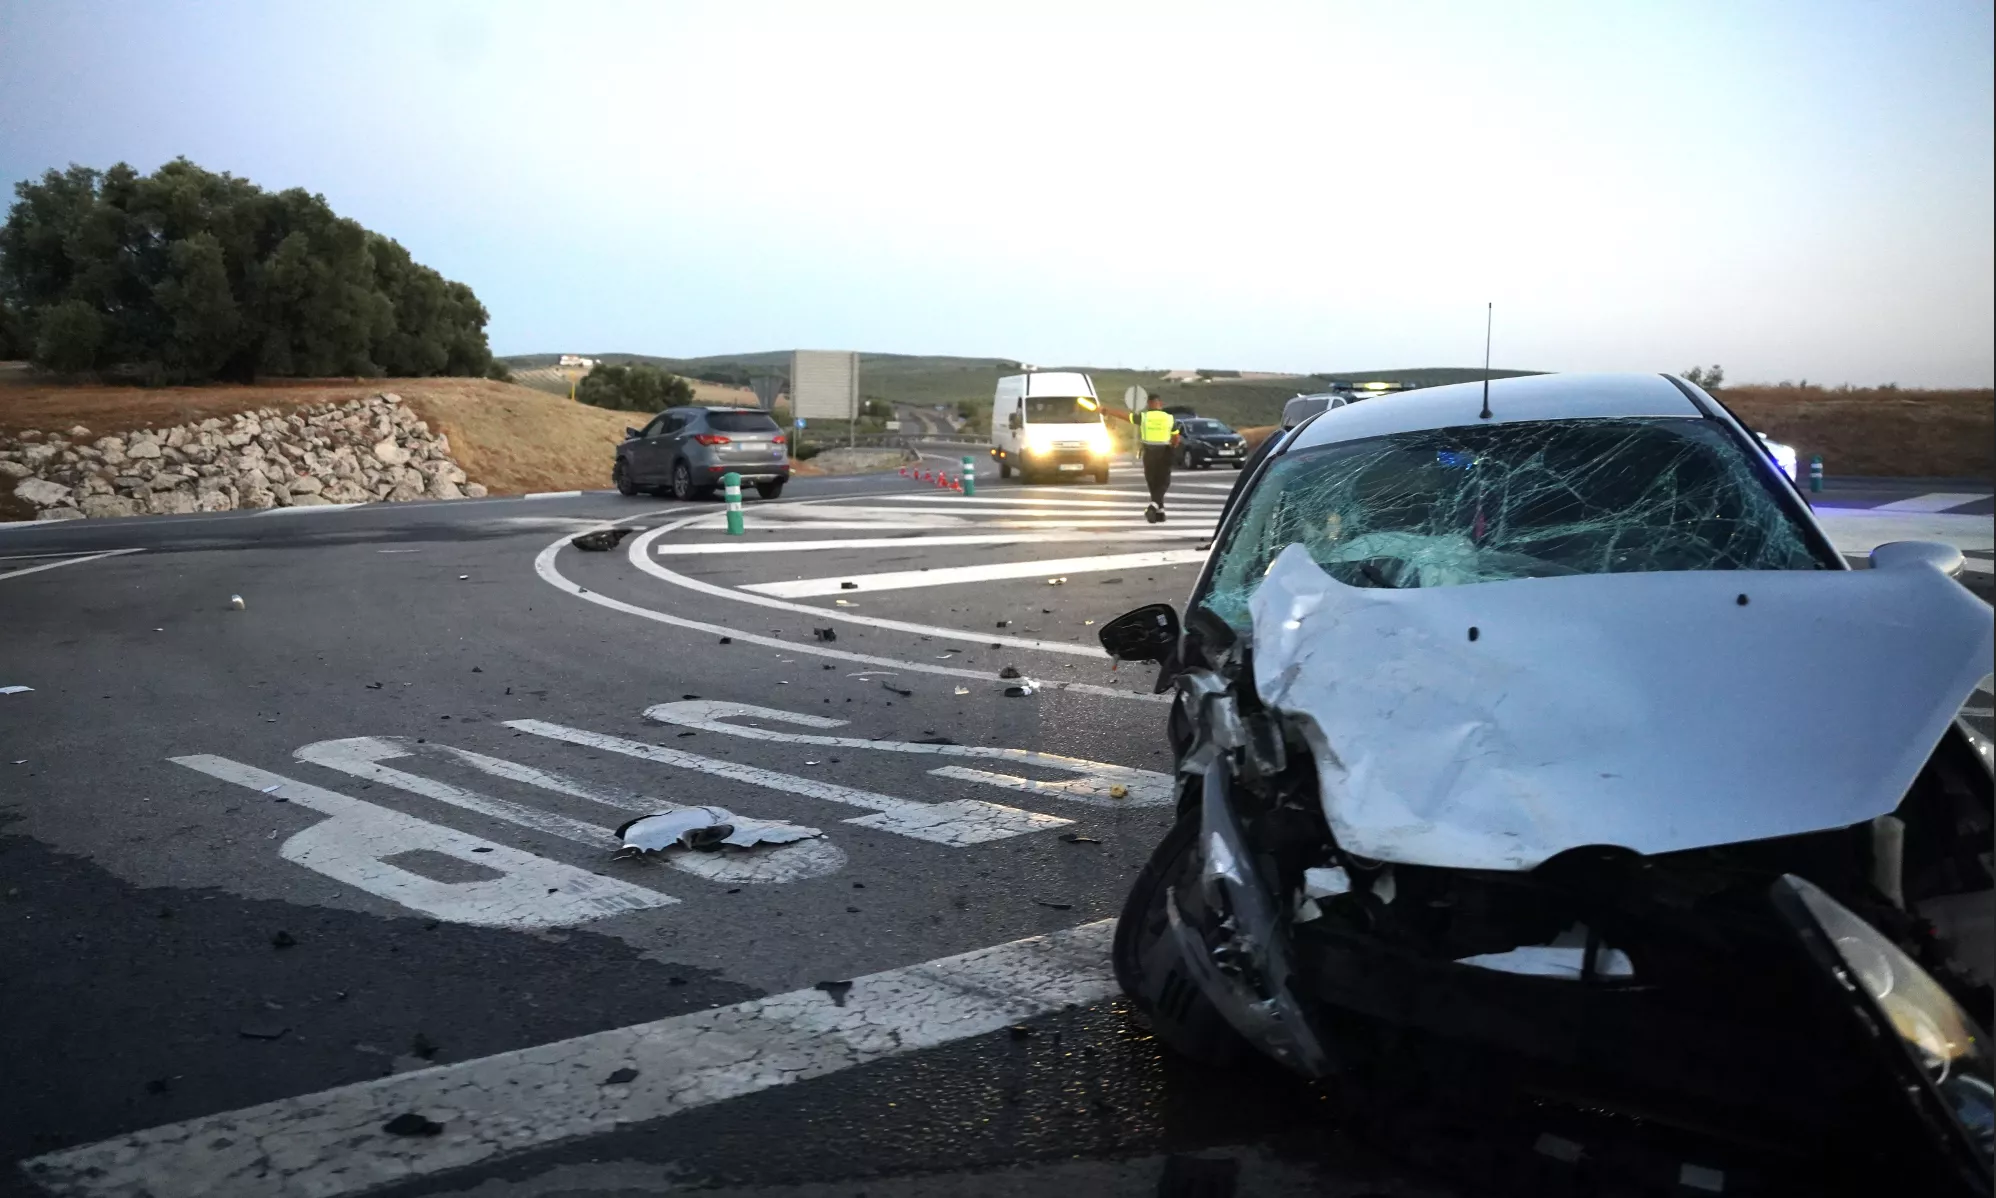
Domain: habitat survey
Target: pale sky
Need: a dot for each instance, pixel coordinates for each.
(1797, 190)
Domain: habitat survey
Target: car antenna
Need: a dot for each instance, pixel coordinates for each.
(1487, 311)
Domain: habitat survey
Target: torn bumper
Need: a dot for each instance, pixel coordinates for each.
(1225, 924)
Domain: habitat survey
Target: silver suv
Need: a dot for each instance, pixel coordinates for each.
(687, 450)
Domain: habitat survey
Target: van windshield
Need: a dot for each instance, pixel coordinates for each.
(1059, 409)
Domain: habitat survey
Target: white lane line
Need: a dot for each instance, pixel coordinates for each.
(640, 555)
(901, 580)
(1938, 501)
(50, 556)
(331, 1144)
(972, 509)
(1031, 536)
(1111, 501)
(313, 507)
(1133, 525)
(361, 756)
(74, 561)
(551, 495)
(544, 566)
(956, 823)
(1146, 788)
(360, 841)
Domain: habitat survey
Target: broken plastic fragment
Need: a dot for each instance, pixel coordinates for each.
(962, 690)
(1565, 957)
(600, 540)
(704, 828)
(825, 634)
(841, 603)
(1329, 881)
(1025, 688)
(409, 1123)
(837, 991)
(236, 601)
(1009, 672)
(1119, 791)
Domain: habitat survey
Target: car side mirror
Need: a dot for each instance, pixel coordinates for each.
(631, 434)
(1015, 422)
(1905, 555)
(1146, 634)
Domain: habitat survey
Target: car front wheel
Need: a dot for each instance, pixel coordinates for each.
(1147, 963)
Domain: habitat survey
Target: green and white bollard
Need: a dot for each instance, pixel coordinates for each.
(731, 486)
(969, 475)
(1815, 472)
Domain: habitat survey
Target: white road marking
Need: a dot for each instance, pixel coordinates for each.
(982, 503)
(1939, 501)
(901, 580)
(1131, 526)
(331, 1144)
(544, 566)
(640, 557)
(551, 495)
(1146, 788)
(73, 561)
(1860, 530)
(16, 690)
(313, 507)
(1026, 535)
(358, 841)
(955, 823)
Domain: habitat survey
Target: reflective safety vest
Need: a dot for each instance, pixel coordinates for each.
(1155, 425)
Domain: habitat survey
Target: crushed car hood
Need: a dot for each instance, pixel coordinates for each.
(1492, 726)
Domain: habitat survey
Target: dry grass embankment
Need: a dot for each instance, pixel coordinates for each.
(1878, 431)
(513, 439)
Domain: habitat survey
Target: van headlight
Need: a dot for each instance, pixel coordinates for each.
(1937, 1051)
(1038, 440)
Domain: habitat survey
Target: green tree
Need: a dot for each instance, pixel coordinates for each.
(193, 275)
(633, 388)
(71, 338)
(1711, 377)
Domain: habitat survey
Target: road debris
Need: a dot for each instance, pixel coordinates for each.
(962, 690)
(902, 691)
(463, 577)
(1078, 838)
(263, 1029)
(409, 1123)
(841, 603)
(825, 634)
(837, 991)
(622, 1077)
(727, 640)
(1004, 624)
(1009, 672)
(424, 1047)
(848, 586)
(282, 939)
(236, 601)
(1025, 689)
(1055, 906)
(1020, 1031)
(22, 690)
(703, 829)
(602, 540)
(1055, 582)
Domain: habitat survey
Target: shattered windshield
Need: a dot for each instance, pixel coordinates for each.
(1482, 503)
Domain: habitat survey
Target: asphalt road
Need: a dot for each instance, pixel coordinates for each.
(360, 828)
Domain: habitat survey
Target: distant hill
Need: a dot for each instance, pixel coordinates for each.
(929, 379)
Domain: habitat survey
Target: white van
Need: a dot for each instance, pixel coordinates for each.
(1049, 425)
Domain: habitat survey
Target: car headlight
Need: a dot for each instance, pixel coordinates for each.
(1940, 1053)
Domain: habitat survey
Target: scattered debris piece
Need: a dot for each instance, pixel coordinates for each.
(1009, 672)
(1004, 624)
(705, 829)
(688, 733)
(409, 1123)
(825, 634)
(962, 690)
(622, 1077)
(1024, 690)
(236, 601)
(481, 669)
(810, 763)
(374, 686)
(727, 640)
(841, 603)
(1078, 838)
(22, 690)
(601, 540)
(1119, 791)
(263, 1029)
(282, 939)
(271, 787)
(1088, 621)
(159, 1085)
(1055, 906)
(424, 1047)
(837, 990)
(463, 577)
(936, 740)
(896, 689)
(848, 586)
(482, 849)
(1054, 582)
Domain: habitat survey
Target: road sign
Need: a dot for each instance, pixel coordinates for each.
(824, 383)
(1135, 397)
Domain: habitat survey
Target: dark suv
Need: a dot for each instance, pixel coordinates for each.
(687, 450)
(1204, 441)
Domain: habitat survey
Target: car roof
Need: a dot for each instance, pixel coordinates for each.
(1512, 400)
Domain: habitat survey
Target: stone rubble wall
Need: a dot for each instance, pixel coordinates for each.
(359, 451)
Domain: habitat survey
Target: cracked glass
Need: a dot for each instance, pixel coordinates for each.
(1484, 503)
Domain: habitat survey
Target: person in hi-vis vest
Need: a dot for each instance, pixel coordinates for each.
(1157, 431)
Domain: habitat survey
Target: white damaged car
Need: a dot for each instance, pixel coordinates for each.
(1541, 726)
